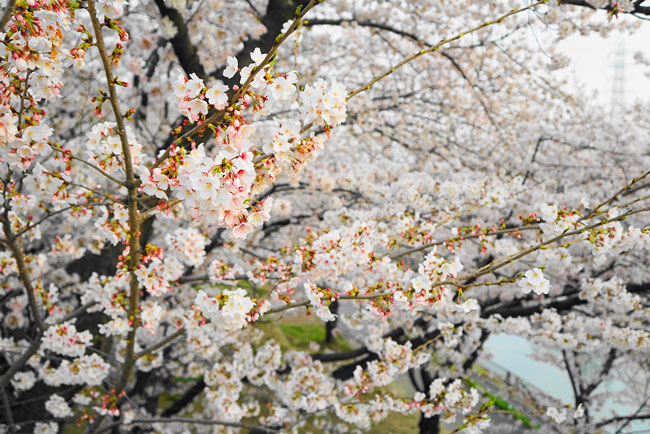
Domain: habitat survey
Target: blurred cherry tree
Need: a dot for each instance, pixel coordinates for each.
(286, 216)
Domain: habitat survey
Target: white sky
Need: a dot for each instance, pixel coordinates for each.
(594, 59)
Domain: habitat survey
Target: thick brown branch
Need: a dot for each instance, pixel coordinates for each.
(637, 7)
(23, 272)
(6, 16)
(183, 48)
(620, 418)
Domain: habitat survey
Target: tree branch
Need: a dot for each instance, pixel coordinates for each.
(185, 51)
(23, 272)
(637, 7)
(620, 418)
(6, 16)
(134, 219)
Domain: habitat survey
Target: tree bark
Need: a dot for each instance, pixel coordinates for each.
(331, 325)
(429, 425)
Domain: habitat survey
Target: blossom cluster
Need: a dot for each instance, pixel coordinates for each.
(324, 103)
(86, 370)
(123, 225)
(395, 359)
(218, 190)
(315, 296)
(65, 340)
(534, 281)
(425, 289)
(231, 310)
(192, 94)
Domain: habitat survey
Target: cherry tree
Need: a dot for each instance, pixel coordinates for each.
(179, 178)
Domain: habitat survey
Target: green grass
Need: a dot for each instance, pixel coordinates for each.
(397, 424)
(301, 335)
(297, 333)
(502, 404)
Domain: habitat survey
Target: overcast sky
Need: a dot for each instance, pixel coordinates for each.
(594, 59)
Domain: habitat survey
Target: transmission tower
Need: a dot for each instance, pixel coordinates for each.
(618, 81)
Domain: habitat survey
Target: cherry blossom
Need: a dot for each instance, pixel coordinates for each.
(375, 195)
(534, 281)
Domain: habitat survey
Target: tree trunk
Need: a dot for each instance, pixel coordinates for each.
(331, 325)
(429, 425)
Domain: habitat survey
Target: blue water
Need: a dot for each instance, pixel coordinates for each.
(513, 353)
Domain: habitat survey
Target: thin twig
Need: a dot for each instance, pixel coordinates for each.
(6, 16)
(131, 183)
(256, 428)
(465, 237)
(436, 47)
(165, 341)
(244, 88)
(7, 410)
